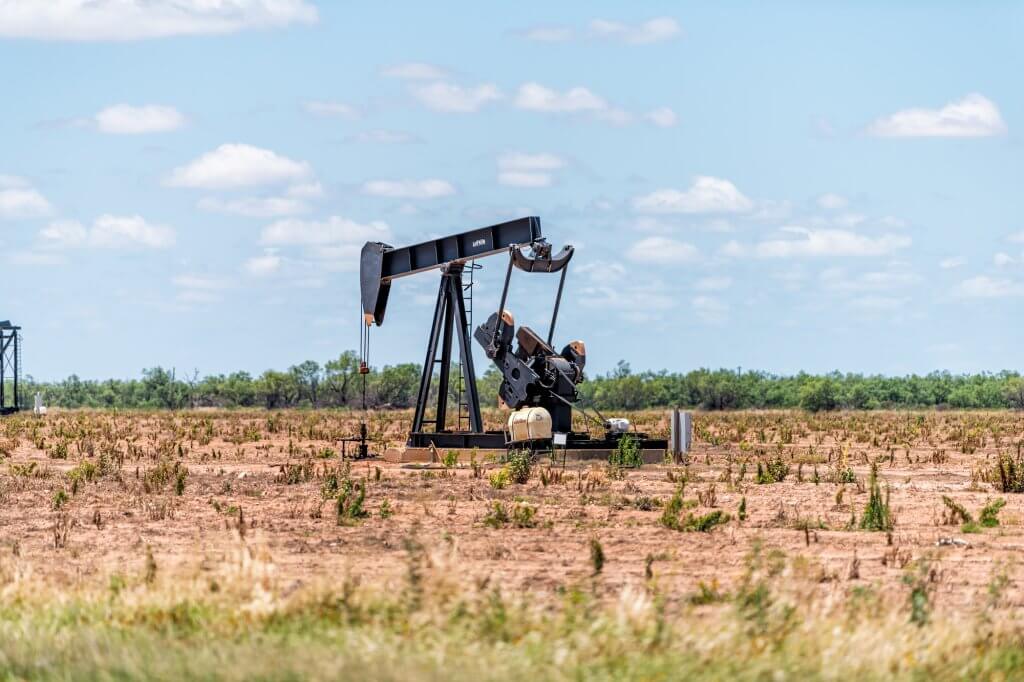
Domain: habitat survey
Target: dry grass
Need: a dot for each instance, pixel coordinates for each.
(230, 545)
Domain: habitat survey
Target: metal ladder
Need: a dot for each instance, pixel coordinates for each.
(467, 298)
(18, 401)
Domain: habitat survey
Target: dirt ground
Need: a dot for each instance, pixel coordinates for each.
(266, 473)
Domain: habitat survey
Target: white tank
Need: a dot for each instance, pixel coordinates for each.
(529, 423)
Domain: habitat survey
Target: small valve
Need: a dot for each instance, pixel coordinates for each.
(363, 368)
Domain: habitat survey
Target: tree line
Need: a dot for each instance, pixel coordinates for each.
(337, 383)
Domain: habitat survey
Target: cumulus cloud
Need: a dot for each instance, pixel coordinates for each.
(330, 109)
(19, 200)
(516, 169)
(814, 243)
(1001, 260)
(108, 232)
(118, 20)
(706, 195)
(1017, 237)
(415, 71)
(655, 30)
(124, 119)
(832, 202)
(238, 165)
(451, 98)
(663, 117)
(953, 262)
(972, 116)
(264, 266)
(536, 97)
(661, 250)
(408, 189)
(334, 230)
(989, 287)
(710, 309)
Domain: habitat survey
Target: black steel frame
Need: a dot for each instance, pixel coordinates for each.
(449, 320)
(10, 357)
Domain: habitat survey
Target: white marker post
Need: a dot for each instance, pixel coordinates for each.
(682, 435)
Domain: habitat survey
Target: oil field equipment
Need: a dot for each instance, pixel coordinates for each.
(540, 385)
(10, 367)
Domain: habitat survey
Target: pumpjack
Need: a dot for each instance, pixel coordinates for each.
(10, 367)
(539, 384)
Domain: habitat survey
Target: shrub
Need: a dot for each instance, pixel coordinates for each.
(499, 479)
(626, 453)
(1010, 472)
(989, 516)
(497, 516)
(524, 516)
(877, 514)
(518, 466)
(772, 471)
(705, 523)
(350, 502)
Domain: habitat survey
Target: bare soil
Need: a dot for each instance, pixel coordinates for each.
(262, 475)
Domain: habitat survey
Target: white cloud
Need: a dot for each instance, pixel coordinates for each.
(255, 207)
(451, 98)
(635, 303)
(265, 265)
(536, 97)
(661, 250)
(384, 137)
(989, 287)
(654, 31)
(548, 34)
(108, 232)
(663, 117)
(334, 230)
(85, 20)
(832, 202)
(710, 309)
(517, 169)
(1017, 237)
(705, 195)
(238, 165)
(306, 190)
(409, 189)
(1001, 260)
(19, 200)
(954, 262)
(972, 116)
(124, 119)
(330, 109)
(811, 243)
(713, 283)
(415, 71)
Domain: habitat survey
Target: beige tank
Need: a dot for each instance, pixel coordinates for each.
(529, 423)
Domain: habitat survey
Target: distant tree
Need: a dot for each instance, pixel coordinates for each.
(1014, 392)
(340, 378)
(820, 393)
(307, 376)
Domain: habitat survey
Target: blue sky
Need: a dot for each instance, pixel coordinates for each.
(816, 187)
